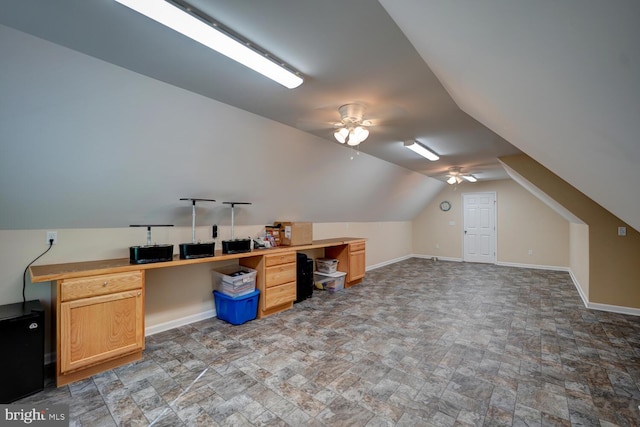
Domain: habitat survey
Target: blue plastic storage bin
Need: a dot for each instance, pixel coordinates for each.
(236, 310)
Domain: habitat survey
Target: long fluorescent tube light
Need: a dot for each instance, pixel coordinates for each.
(177, 19)
(470, 178)
(417, 148)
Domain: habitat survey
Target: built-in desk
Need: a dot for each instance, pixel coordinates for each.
(98, 306)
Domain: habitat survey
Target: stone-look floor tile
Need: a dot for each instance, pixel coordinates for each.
(268, 418)
(379, 421)
(235, 420)
(468, 419)
(526, 416)
(99, 417)
(342, 412)
(417, 343)
(498, 417)
(544, 401)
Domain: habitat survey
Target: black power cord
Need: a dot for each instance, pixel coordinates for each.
(24, 275)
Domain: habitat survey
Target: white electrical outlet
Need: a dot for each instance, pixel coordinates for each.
(622, 231)
(530, 252)
(52, 235)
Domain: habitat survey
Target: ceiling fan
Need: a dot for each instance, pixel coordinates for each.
(456, 176)
(356, 119)
(352, 128)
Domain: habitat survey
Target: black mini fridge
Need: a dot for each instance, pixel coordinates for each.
(22, 355)
(304, 279)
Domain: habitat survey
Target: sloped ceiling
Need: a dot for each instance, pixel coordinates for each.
(559, 80)
(347, 52)
(472, 80)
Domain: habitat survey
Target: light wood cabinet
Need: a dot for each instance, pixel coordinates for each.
(351, 259)
(280, 280)
(275, 279)
(357, 262)
(98, 306)
(100, 320)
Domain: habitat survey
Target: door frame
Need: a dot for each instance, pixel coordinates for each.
(495, 224)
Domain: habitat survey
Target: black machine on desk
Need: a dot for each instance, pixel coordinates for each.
(235, 246)
(196, 250)
(150, 253)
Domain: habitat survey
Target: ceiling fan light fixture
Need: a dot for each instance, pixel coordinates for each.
(421, 150)
(352, 135)
(204, 30)
(358, 135)
(341, 135)
(452, 180)
(353, 130)
(353, 139)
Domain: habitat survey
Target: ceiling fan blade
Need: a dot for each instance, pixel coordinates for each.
(318, 119)
(383, 114)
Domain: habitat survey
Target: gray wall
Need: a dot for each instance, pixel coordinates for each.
(86, 144)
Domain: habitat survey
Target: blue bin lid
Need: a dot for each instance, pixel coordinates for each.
(217, 294)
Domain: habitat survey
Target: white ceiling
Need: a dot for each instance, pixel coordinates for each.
(560, 80)
(348, 52)
(557, 80)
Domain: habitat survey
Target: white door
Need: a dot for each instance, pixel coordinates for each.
(479, 227)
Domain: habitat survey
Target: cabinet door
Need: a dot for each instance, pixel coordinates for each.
(357, 264)
(100, 328)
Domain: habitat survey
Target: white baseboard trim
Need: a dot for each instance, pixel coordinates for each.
(439, 258)
(389, 262)
(534, 266)
(614, 308)
(161, 327)
(403, 258)
(574, 279)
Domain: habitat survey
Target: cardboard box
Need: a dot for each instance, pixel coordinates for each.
(295, 233)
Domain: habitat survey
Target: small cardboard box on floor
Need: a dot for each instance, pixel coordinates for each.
(295, 233)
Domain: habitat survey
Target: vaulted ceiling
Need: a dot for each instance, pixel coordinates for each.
(471, 80)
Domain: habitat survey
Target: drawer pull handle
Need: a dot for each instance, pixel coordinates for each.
(105, 283)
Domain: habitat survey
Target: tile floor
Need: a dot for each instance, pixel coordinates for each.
(419, 342)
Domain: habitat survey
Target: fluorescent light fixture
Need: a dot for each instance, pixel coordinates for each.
(211, 36)
(417, 148)
(470, 178)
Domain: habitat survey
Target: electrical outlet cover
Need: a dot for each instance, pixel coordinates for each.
(52, 235)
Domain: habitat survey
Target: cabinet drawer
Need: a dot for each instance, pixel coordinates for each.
(85, 287)
(284, 258)
(279, 295)
(279, 274)
(357, 246)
